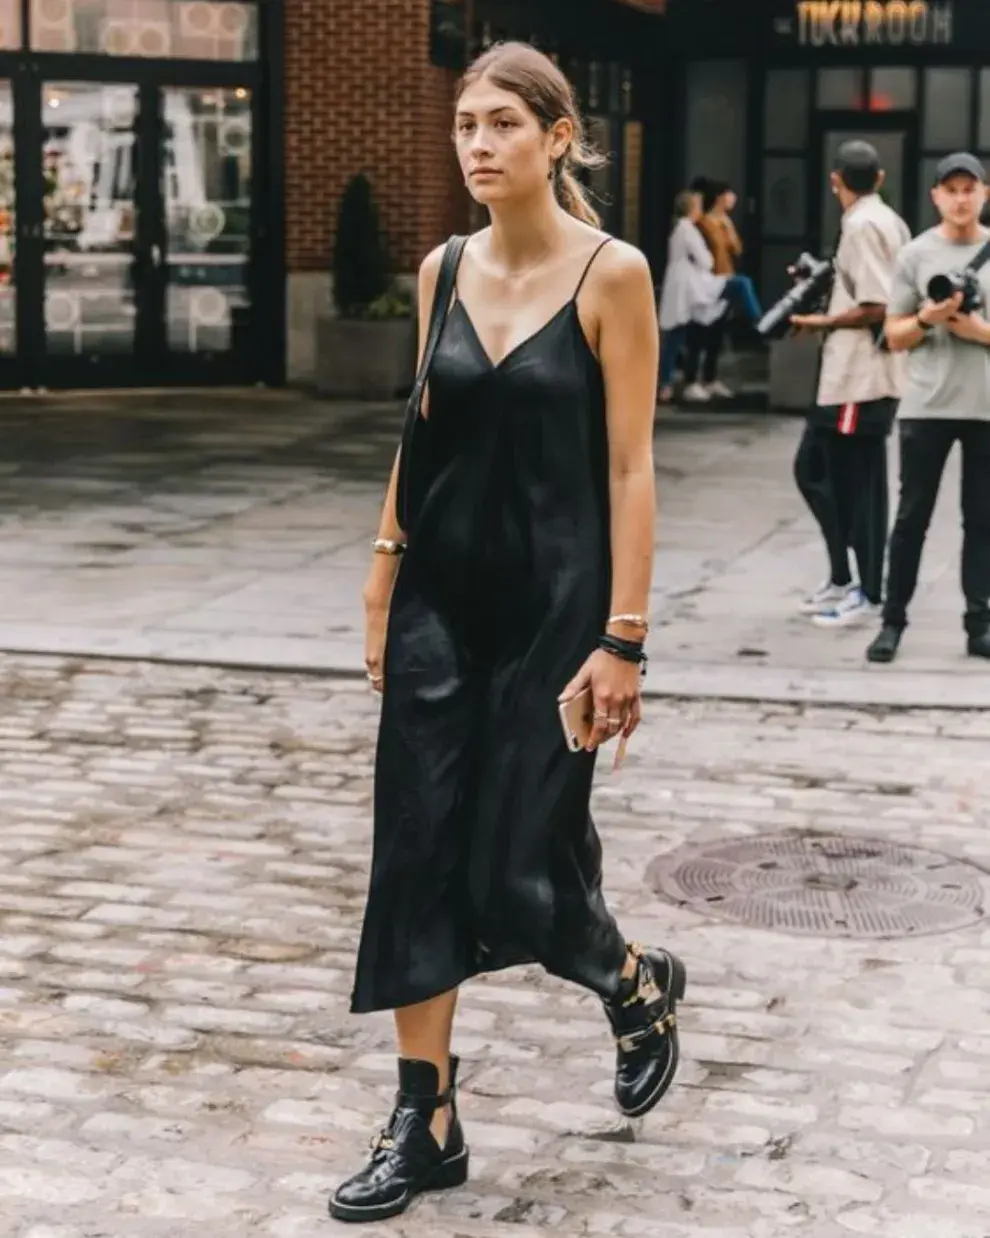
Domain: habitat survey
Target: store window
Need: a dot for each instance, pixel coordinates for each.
(717, 92)
(840, 90)
(983, 128)
(893, 90)
(785, 109)
(946, 120)
(184, 29)
(632, 196)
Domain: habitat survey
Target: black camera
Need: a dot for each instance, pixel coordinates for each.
(814, 278)
(942, 287)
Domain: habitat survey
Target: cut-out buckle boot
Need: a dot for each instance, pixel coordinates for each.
(406, 1159)
(643, 1015)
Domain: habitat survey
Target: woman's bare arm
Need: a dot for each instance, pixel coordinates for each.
(381, 575)
(629, 351)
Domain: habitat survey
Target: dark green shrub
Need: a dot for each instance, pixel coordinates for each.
(360, 264)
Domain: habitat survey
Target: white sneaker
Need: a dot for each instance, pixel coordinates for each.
(694, 393)
(719, 391)
(825, 597)
(853, 609)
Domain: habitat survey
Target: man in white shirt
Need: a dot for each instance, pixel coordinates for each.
(841, 465)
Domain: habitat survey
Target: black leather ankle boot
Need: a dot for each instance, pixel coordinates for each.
(643, 1015)
(406, 1160)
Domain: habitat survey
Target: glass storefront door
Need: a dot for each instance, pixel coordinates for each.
(206, 177)
(137, 248)
(89, 134)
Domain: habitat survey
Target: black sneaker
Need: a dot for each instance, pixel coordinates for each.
(978, 646)
(644, 1022)
(406, 1160)
(885, 646)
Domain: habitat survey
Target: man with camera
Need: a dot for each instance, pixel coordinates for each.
(841, 464)
(938, 315)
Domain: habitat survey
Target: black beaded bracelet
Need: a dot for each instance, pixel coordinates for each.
(627, 650)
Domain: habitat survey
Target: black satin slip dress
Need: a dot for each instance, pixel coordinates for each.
(485, 852)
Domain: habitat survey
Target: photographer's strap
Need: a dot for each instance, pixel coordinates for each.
(438, 316)
(980, 260)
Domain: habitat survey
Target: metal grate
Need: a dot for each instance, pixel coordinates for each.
(823, 885)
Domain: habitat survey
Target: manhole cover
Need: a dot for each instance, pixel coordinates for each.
(821, 884)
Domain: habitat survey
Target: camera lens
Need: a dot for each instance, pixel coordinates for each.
(940, 288)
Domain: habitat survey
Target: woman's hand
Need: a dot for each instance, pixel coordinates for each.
(615, 688)
(375, 624)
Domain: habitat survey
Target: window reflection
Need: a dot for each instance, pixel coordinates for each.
(188, 29)
(8, 233)
(207, 171)
(88, 171)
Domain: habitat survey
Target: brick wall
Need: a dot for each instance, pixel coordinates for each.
(362, 96)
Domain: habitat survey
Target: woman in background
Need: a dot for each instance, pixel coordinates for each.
(726, 247)
(691, 295)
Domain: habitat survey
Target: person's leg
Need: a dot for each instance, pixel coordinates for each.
(671, 346)
(814, 472)
(975, 439)
(694, 391)
(695, 337)
(714, 339)
(740, 291)
(423, 1033)
(866, 495)
(924, 449)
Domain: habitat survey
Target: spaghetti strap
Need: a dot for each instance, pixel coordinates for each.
(584, 273)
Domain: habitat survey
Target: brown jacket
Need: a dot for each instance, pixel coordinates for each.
(723, 240)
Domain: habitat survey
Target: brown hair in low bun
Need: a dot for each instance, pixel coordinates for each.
(526, 72)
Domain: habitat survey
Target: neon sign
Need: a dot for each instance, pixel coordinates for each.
(874, 23)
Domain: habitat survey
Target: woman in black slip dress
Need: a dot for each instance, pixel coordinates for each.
(523, 498)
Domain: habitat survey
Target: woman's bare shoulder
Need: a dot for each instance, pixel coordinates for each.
(621, 266)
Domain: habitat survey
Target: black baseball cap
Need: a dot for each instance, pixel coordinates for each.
(960, 164)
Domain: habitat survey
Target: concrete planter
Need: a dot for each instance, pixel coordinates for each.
(794, 365)
(365, 360)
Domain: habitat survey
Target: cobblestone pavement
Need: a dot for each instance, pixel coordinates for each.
(183, 858)
(235, 528)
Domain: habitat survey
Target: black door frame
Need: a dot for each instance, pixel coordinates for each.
(853, 122)
(259, 355)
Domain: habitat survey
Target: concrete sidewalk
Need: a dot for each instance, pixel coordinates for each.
(233, 528)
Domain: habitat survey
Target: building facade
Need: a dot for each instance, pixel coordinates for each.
(170, 170)
(759, 93)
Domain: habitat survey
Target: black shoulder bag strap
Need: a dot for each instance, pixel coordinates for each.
(438, 315)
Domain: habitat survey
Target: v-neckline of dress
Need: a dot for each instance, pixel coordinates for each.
(495, 366)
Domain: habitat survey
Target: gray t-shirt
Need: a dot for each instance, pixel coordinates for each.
(947, 378)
